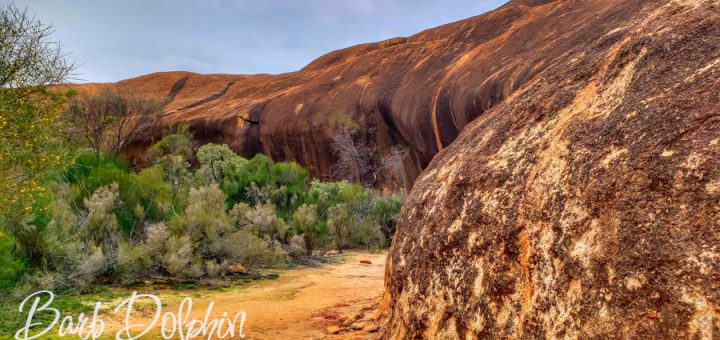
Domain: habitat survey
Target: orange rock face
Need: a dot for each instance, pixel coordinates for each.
(583, 204)
(418, 92)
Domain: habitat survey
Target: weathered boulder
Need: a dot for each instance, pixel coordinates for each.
(586, 203)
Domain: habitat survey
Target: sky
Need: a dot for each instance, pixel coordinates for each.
(120, 39)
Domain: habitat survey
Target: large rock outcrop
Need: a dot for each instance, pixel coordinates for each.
(586, 202)
(418, 92)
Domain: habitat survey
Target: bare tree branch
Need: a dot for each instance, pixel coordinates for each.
(27, 55)
(110, 121)
(392, 166)
(353, 158)
(359, 162)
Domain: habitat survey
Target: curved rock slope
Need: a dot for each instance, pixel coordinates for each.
(418, 92)
(586, 202)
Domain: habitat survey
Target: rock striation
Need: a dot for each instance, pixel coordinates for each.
(584, 199)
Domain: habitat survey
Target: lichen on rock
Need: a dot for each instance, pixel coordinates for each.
(586, 203)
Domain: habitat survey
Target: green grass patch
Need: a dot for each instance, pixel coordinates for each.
(11, 319)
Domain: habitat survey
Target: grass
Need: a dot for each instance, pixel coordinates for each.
(12, 320)
(75, 303)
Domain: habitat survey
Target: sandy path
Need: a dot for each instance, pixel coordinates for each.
(298, 305)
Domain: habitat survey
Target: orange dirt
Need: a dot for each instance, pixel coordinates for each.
(300, 304)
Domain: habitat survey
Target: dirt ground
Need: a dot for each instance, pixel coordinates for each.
(300, 304)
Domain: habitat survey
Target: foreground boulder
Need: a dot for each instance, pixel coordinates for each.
(586, 204)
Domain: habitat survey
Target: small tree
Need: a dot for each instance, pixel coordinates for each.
(306, 220)
(177, 142)
(267, 224)
(173, 154)
(215, 161)
(392, 168)
(352, 157)
(110, 120)
(27, 55)
(339, 223)
(101, 226)
(358, 161)
(30, 145)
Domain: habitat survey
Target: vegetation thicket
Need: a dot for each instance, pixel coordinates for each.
(74, 214)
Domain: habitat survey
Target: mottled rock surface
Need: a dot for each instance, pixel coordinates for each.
(586, 202)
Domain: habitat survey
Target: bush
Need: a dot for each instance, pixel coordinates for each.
(34, 281)
(225, 238)
(340, 224)
(387, 210)
(10, 266)
(252, 252)
(106, 222)
(178, 255)
(297, 247)
(216, 163)
(100, 230)
(145, 196)
(134, 263)
(205, 217)
(312, 230)
(88, 270)
(265, 222)
(367, 234)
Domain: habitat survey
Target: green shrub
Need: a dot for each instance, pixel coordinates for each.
(106, 222)
(313, 231)
(205, 216)
(134, 263)
(177, 143)
(10, 266)
(263, 220)
(216, 163)
(340, 224)
(144, 196)
(387, 209)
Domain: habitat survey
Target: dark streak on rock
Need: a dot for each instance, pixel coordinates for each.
(213, 97)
